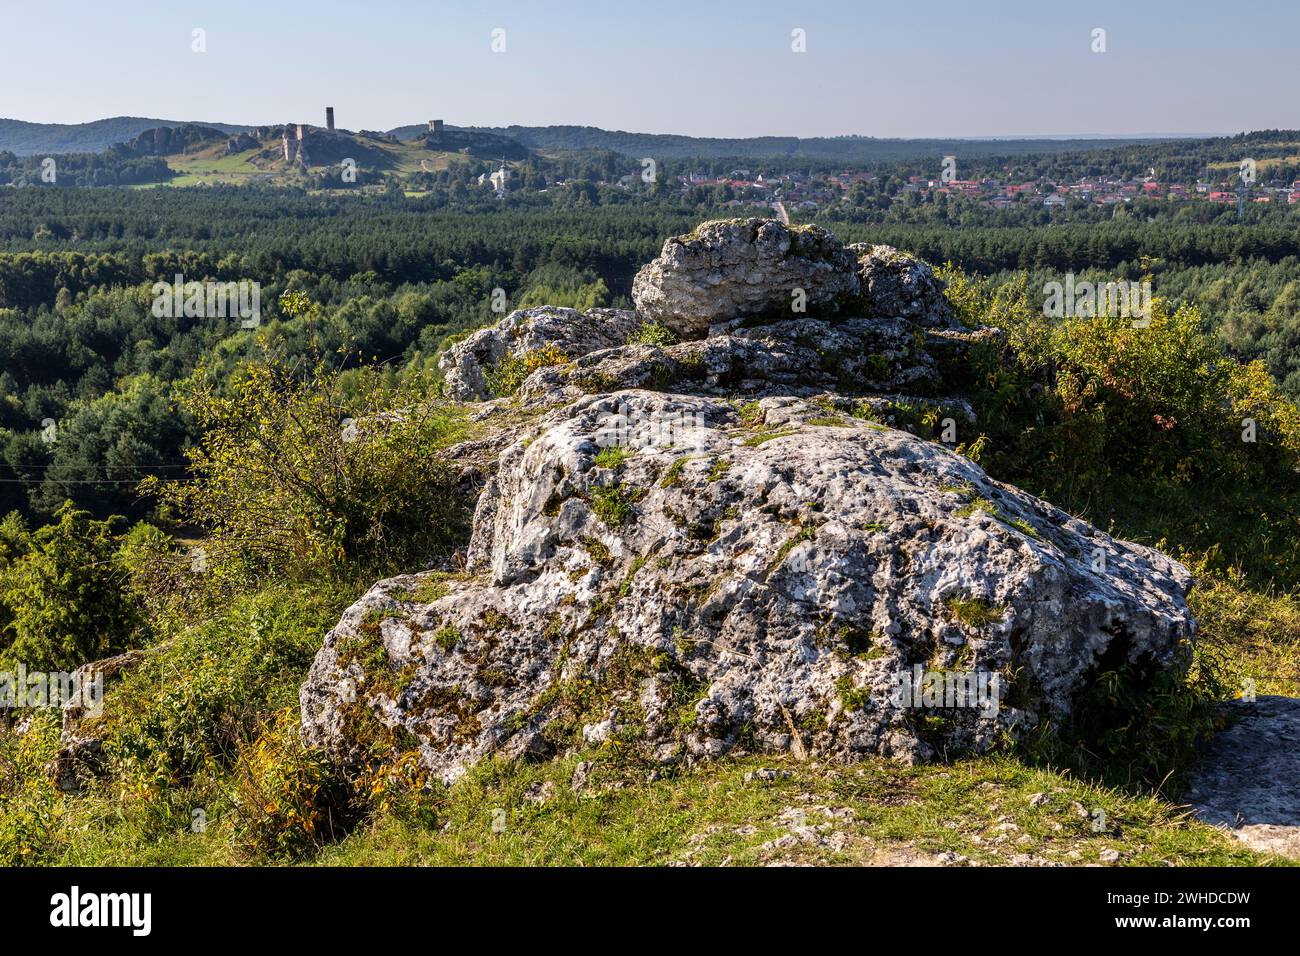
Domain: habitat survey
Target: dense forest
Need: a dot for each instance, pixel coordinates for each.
(397, 275)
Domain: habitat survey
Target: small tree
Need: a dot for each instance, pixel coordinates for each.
(311, 469)
(67, 598)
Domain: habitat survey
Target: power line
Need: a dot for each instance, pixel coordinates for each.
(75, 481)
(117, 467)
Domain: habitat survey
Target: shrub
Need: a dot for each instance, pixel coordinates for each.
(1141, 428)
(285, 792)
(188, 709)
(315, 470)
(504, 378)
(652, 333)
(67, 599)
(29, 805)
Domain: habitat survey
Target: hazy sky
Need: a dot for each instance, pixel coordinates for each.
(933, 68)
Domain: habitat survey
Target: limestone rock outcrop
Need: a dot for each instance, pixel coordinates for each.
(684, 548)
(727, 575)
(744, 267)
(1248, 782)
(894, 283)
(468, 365)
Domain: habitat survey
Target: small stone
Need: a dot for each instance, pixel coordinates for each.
(581, 776)
(597, 733)
(540, 792)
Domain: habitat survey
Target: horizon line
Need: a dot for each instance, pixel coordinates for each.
(986, 137)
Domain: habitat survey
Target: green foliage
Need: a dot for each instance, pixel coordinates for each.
(29, 806)
(447, 637)
(309, 469)
(1142, 427)
(652, 333)
(611, 457)
(673, 474)
(763, 438)
(613, 504)
(286, 794)
(974, 612)
(66, 599)
(557, 285)
(504, 378)
(192, 706)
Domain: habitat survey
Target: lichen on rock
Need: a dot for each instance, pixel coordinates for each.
(722, 543)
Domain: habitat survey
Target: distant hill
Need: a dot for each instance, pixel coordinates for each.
(168, 140)
(27, 139)
(858, 149)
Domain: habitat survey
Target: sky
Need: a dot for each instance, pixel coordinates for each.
(935, 68)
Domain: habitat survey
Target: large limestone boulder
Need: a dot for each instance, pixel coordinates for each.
(744, 267)
(680, 574)
(796, 357)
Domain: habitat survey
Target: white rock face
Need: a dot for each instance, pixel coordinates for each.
(736, 575)
(465, 365)
(741, 267)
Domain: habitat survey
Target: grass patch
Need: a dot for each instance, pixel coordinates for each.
(763, 437)
(612, 457)
(447, 637)
(614, 504)
(598, 550)
(974, 612)
(652, 333)
(713, 815)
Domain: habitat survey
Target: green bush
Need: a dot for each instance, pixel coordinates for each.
(1137, 429)
(67, 599)
(303, 471)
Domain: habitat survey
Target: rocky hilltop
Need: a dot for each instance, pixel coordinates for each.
(698, 531)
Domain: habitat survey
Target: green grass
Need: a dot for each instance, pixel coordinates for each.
(598, 550)
(979, 809)
(431, 587)
(175, 727)
(611, 457)
(173, 752)
(712, 815)
(652, 333)
(764, 437)
(673, 475)
(613, 504)
(447, 637)
(974, 612)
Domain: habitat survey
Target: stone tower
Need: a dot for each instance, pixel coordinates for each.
(329, 118)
